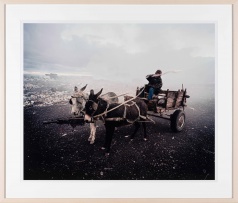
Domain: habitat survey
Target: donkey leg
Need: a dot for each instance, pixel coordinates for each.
(109, 134)
(90, 136)
(145, 134)
(137, 126)
(93, 132)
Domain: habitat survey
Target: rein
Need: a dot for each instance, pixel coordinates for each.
(114, 96)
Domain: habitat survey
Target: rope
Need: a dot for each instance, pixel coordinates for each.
(114, 96)
(150, 120)
(124, 114)
(119, 105)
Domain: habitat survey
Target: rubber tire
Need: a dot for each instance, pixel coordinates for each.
(175, 120)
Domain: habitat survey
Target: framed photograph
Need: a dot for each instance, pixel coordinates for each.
(105, 101)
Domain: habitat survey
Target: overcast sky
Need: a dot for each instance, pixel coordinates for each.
(122, 52)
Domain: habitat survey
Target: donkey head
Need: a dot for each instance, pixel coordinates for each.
(93, 105)
(78, 100)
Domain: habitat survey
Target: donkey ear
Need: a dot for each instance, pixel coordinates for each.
(83, 88)
(91, 92)
(100, 92)
(91, 95)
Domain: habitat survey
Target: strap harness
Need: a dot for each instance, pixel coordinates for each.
(104, 118)
(125, 114)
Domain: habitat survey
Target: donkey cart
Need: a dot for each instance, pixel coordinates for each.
(168, 105)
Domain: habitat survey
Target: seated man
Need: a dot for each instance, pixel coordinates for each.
(155, 83)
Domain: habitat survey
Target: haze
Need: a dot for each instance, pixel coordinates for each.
(122, 52)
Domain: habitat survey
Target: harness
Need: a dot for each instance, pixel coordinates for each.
(103, 115)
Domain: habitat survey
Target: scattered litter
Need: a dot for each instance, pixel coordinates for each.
(108, 169)
(192, 108)
(163, 164)
(172, 138)
(206, 176)
(80, 161)
(64, 134)
(113, 143)
(205, 126)
(101, 173)
(208, 151)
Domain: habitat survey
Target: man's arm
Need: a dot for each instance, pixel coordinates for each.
(148, 76)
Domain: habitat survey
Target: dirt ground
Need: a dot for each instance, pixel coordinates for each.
(55, 152)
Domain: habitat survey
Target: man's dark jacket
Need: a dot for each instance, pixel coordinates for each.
(155, 82)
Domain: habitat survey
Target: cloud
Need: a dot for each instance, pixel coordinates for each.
(105, 35)
(122, 52)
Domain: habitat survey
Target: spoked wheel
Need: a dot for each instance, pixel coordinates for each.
(177, 120)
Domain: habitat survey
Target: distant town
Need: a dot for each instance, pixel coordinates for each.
(51, 89)
(44, 90)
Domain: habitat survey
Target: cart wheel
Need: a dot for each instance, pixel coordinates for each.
(177, 120)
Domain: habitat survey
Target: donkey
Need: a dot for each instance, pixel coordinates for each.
(78, 101)
(114, 115)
